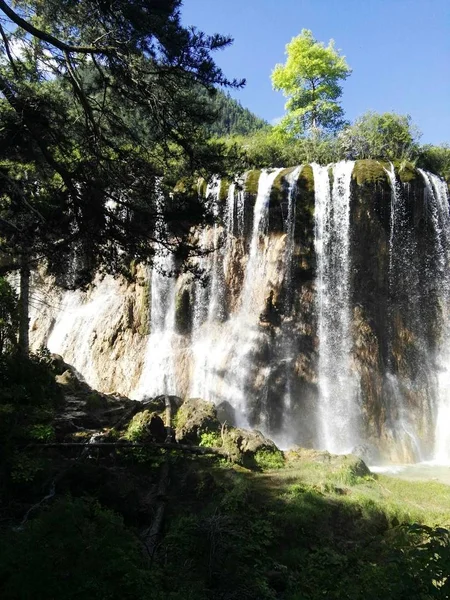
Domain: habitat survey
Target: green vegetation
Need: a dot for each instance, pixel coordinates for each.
(386, 136)
(307, 528)
(96, 130)
(269, 460)
(436, 159)
(310, 80)
(87, 546)
(232, 118)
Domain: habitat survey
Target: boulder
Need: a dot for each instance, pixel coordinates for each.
(70, 381)
(195, 417)
(226, 413)
(246, 447)
(58, 364)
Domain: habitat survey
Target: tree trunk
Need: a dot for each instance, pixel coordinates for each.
(24, 307)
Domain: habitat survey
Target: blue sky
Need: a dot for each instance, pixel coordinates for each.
(399, 51)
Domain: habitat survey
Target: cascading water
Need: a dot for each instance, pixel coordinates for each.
(404, 305)
(222, 355)
(437, 203)
(79, 320)
(158, 372)
(244, 331)
(208, 302)
(287, 342)
(338, 386)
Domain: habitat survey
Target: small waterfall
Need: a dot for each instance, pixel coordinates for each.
(406, 316)
(338, 389)
(288, 342)
(209, 298)
(437, 205)
(158, 373)
(291, 180)
(245, 331)
(80, 318)
(223, 353)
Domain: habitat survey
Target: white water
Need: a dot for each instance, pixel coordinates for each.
(288, 349)
(158, 373)
(79, 320)
(338, 385)
(403, 275)
(222, 354)
(438, 208)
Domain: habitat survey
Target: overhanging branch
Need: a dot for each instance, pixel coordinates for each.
(47, 37)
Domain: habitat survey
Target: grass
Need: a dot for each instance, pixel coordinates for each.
(400, 500)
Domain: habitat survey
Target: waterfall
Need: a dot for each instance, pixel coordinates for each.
(404, 310)
(80, 318)
(223, 354)
(356, 356)
(245, 331)
(437, 205)
(288, 342)
(338, 386)
(158, 374)
(208, 299)
(291, 180)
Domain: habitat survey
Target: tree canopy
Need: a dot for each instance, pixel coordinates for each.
(310, 80)
(100, 121)
(99, 117)
(387, 135)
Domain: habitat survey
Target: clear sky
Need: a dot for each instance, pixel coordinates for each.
(399, 51)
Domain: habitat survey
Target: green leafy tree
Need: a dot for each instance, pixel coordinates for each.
(100, 118)
(388, 136)
(436, 159)
(310, 80)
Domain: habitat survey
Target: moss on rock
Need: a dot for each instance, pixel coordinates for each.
(223, 190)
(368, 172)
(137, 427)
(251, 449)
(278, 198)
(251, 182)
(202, 185)
(407, 172)
(144, 316)
(194, 418)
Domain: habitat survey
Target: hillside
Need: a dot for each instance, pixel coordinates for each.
(233, 118)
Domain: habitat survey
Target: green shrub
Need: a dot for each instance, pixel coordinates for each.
(74, 549)
(267, 459)
(210, 439)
